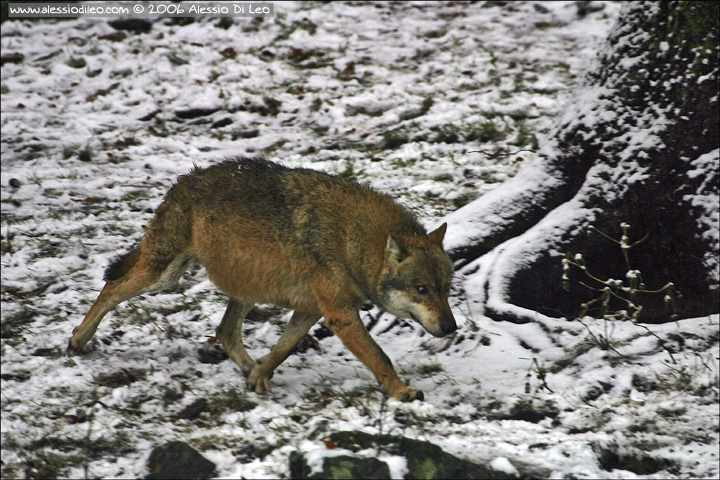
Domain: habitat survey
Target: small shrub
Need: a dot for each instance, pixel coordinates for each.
(612, 293)
(85, 154)
(625, 291)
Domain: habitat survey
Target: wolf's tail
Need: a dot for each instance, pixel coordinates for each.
(167, 236)
(122, 265)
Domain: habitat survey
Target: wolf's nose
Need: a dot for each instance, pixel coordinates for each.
(448, 328)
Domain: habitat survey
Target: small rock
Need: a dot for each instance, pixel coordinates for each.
(529, 411)
(48, 56)
(131, 24)
(147, 117)
(114, 37)
(229, 52)
(586, 7)
(195, 112)
(12, 58)
(212, 354)
(249, 133)
(47, 352)
(612, 457)
(435, 33)
(16, 377)
(176, 60)
(341, 466)
(371, 110)
(76, 62)
(309, 150)
(223, 122)
(122, 73)
(120, 378)
(179, 460)
(443, 177)
(15, 183)
(193, 410)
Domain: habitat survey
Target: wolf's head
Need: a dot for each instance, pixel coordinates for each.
(415, 281)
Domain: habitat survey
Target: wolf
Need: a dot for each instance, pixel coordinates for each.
(316, 243)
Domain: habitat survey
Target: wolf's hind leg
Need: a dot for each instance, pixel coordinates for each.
(156, 264)
(128, 277)
(230, 334)
(297, 327)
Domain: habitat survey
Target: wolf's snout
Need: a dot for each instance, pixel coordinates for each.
(447, 320)
(448, 327)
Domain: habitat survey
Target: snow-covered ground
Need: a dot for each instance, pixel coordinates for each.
(432, 103)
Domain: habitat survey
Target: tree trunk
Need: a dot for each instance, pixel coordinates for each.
(637, 145)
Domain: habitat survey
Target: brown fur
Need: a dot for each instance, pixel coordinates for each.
(301, 239)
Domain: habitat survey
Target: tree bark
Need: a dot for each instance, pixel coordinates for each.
(638, 144)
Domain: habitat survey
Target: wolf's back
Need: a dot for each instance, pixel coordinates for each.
(294, 203)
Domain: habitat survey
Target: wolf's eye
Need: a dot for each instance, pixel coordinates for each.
(422, 290)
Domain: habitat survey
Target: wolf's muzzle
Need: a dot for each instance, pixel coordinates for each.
(448, 327)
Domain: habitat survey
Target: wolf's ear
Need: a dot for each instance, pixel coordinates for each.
(437, 235)
(394, 250)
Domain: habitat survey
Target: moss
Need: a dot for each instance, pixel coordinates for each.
(120, 378)
(85, 154)
(464, 199)
(610, 458)
(485, 132)
(528, 410)
(429, 369)
(230, 401)
(695, 25)
(69, 151)
(349, 171)
(276, 145)
(272, 106)
(76, 62)
(526, 138)
(316, 105)
(393, 140)
(49, 465)
(448, 134)
(13, 326)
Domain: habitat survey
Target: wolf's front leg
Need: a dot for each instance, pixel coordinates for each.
(351, 331)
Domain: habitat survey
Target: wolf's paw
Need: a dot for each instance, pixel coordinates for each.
(246, 368)
(410, 394)
(259, 381)
(73, 349)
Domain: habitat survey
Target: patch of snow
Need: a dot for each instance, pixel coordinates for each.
(502, 464)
